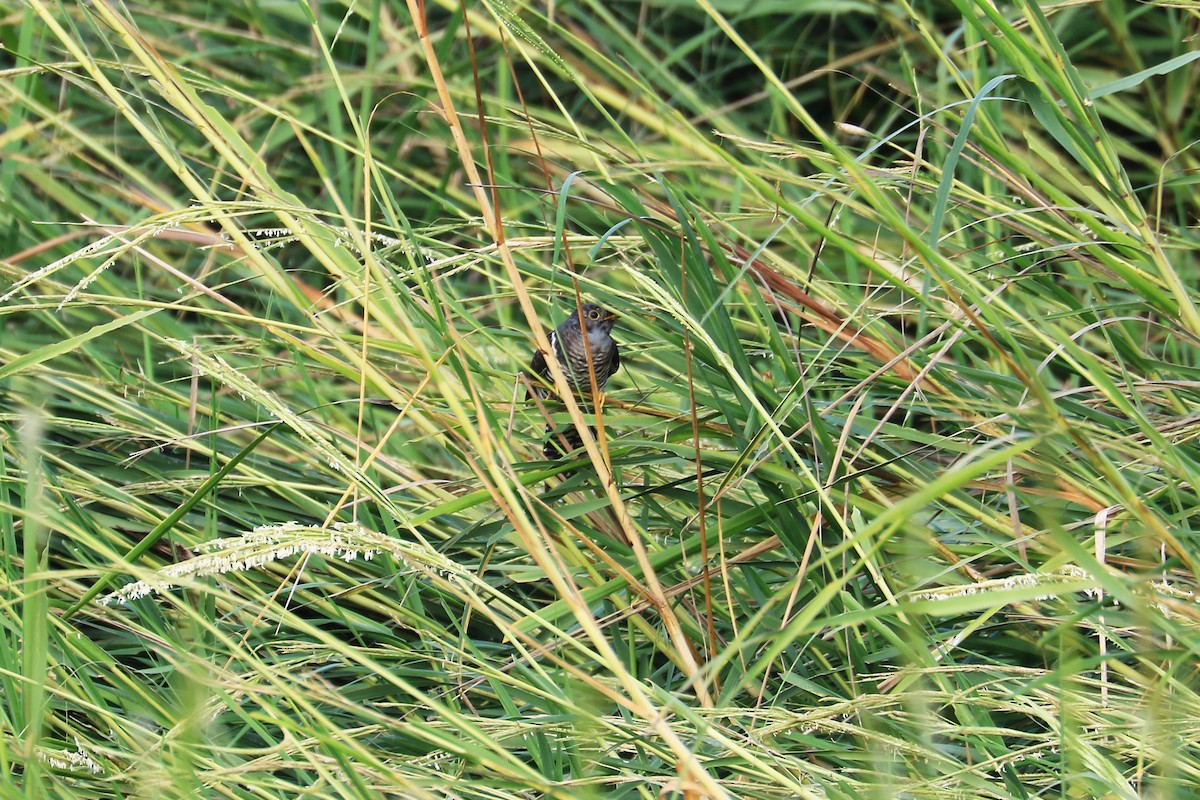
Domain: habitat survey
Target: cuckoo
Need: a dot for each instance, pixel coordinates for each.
(583, 341)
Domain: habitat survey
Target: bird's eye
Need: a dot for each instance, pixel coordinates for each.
(593, 313)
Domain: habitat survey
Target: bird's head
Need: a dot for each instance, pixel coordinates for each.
(595, 319)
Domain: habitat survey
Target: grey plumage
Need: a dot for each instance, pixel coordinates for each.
(572, 343)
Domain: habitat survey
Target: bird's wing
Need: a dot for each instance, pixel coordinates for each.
(538, 365)
(539, 376)
(616, 360)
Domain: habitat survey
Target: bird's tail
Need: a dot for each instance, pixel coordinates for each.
(562, 441)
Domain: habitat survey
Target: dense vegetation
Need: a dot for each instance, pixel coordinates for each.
(893, 497)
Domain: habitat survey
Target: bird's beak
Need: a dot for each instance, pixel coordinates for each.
(610, 316)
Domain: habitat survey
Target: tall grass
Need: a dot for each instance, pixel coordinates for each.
(893, 496)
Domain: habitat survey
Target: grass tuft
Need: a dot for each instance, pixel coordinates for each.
(892, 496)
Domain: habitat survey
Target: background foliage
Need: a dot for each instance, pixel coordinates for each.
(894, 497)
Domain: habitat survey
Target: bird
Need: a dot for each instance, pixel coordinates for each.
(585, 336)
